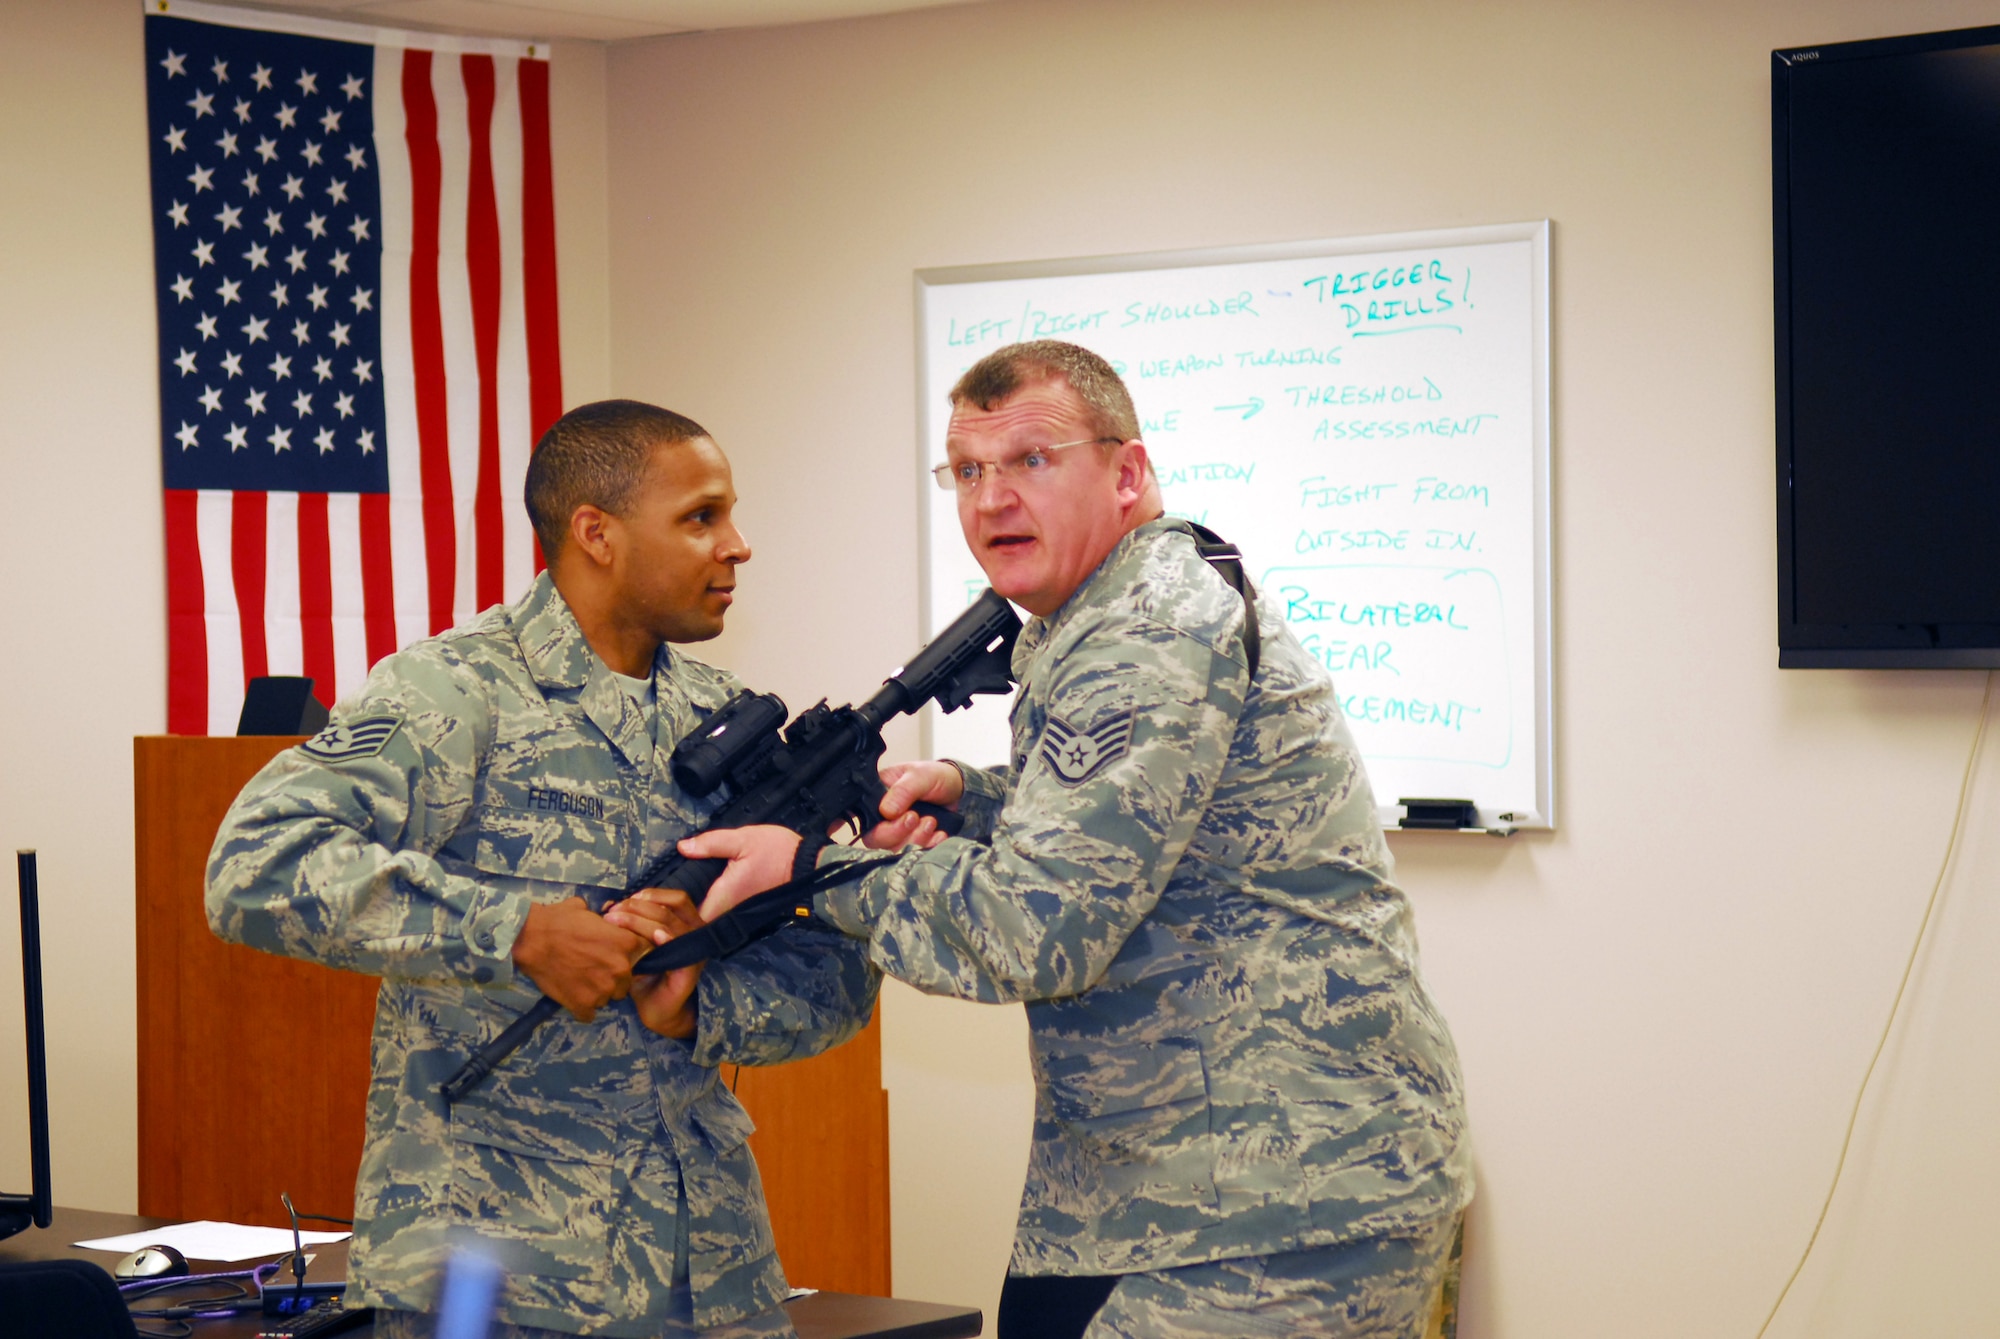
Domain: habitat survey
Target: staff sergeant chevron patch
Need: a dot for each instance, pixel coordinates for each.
(1076, 755)
(362, 738)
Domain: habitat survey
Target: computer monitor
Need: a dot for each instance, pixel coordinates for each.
(18, 1211)
(1885, 207)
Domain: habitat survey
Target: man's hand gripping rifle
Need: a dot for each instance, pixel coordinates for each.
(820, 772)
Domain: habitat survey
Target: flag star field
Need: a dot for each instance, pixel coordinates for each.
(267, 249)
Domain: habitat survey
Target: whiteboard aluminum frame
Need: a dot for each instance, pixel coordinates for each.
(1535, 233)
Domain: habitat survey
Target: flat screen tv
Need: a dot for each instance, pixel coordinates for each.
(1885, 159)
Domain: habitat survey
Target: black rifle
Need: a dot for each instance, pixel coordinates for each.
(821, 771)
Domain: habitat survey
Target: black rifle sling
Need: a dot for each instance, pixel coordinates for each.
(1228, 564)
(754, 917)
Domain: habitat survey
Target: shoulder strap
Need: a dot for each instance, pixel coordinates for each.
(754, 917)
(1228, 564)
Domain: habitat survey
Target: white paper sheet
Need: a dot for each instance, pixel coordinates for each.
(214, 1241)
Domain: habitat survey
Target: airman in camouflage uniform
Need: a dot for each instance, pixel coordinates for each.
(478, 782)
(1247, 1106)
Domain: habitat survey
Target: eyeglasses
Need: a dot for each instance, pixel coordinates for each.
(1033, 466)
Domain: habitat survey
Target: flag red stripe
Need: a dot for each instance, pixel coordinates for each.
(378, 576)
(246, 569)
(427, 334)
(316, 598)
(482, 261)
(538, 256)
(187, 624)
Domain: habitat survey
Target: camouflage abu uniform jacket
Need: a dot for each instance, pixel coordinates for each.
(478, 772)
(1233, 1051)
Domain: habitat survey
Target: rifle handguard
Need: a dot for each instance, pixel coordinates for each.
(806, 859)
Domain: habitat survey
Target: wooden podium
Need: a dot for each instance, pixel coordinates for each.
(253, 1069)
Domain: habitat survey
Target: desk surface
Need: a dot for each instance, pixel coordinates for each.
(821, 1316)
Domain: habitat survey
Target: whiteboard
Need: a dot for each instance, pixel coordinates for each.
(1367, 419)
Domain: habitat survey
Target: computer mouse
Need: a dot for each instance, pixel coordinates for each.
(152, 1262)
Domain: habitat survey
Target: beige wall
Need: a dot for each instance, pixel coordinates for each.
(1665, 1007)
(82, 600)
(82, 574)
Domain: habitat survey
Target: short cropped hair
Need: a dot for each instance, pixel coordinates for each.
(596, 454)
(1008, 369)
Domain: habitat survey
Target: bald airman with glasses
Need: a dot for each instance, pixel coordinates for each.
(1249, 1116)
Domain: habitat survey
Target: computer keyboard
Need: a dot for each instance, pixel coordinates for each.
(327, 1316)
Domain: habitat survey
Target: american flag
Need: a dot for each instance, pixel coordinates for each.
(354, 251)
